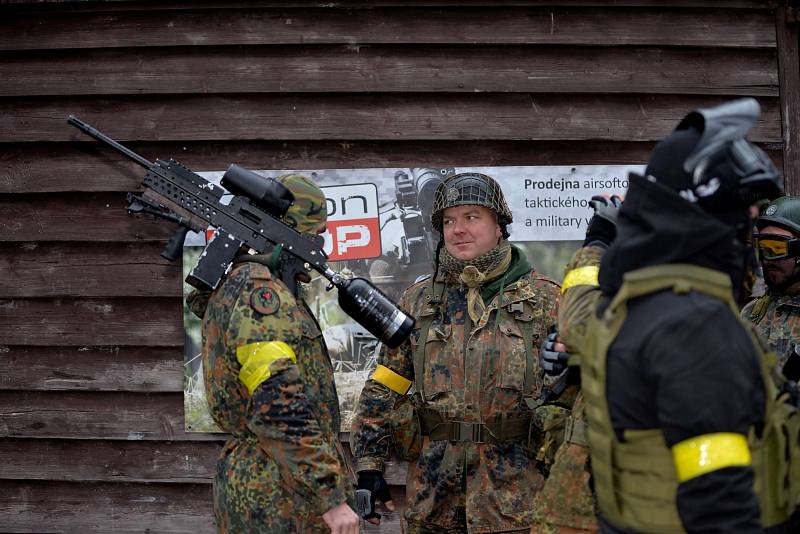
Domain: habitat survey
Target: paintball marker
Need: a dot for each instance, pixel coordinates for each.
(175, 193)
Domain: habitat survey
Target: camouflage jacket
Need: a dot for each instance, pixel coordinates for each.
(566, 503)
(283, 466)
(777, 318)
(468, 376)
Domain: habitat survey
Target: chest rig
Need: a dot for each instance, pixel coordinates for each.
(635, 479)
(515, 426)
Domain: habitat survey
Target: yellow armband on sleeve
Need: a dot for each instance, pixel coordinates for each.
(256, 358)
(390, 379)
(581, 276)
(703, 454)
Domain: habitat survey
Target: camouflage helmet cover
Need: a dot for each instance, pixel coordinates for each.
(783, 212)
(309, 209)
(469, 188)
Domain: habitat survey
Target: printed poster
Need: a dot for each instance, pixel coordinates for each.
(379, 228)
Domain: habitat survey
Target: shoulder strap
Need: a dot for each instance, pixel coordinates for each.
(526, 326)
(680, 278)
(424, 328)
(759, 309)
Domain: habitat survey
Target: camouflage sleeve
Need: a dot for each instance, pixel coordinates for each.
(580, 293)
(279, 413)
(372, 424)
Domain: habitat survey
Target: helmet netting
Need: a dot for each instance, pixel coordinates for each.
(470, 189)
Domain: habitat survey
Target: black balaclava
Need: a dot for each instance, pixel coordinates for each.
(658, 224)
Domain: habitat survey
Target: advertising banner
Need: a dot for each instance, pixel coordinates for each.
(379, 228)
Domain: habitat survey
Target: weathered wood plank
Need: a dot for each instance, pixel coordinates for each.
(108, 461)
(91, 368)
(87, 270)
(95, 416)
(122, 461)
(390, 69)
(91, 322)
(49, 506)
(508, 116)
(419, 25)
(74, 217)
(789, 65)
(60, 167)
(58, 6)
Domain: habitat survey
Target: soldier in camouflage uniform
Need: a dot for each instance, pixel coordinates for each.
(777, 313)
(566, 504)
(269, 383)
(473, 363)
(659, 462)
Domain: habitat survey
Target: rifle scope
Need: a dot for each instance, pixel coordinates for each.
(267, 193)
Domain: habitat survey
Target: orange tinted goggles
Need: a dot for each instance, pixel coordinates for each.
(777, 247)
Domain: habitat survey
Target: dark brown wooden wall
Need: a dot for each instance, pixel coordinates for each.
(91, 406)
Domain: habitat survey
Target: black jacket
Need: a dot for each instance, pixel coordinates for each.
(683, 362)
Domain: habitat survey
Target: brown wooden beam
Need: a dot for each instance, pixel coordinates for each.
(789, 74)
(390, 69)
(48, 506)
(111, 368)
(150, 322)
(75, 217)
(87, 270)
(96, 415)
(484, 116)
(150, 24)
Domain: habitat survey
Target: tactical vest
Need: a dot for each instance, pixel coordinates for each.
(507, 427)
(635, 479)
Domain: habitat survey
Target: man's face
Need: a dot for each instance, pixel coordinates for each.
(470, 231)
(778, 274)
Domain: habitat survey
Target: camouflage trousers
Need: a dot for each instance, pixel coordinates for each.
(566, 504)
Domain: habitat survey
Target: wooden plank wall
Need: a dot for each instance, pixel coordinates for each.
(91, 409)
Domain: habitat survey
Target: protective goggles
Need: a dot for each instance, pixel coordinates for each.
(777, 247)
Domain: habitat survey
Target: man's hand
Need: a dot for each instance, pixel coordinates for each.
(603, 225)
(341, 519)
(553, 355)
(375, 484)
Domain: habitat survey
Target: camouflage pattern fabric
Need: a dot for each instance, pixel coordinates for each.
(283, 466)
(464, 486)
(566, 504)
(309, 209)
(777, 318)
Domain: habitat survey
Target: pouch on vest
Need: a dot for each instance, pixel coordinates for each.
(551, 419)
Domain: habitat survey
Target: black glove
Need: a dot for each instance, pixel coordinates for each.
(551, 361)
(603, 225)
(371, 487)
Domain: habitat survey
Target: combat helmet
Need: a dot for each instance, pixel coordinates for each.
(309, 209)
(470, 188)
(783, 212)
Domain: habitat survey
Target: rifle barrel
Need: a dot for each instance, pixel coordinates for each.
(93, 132)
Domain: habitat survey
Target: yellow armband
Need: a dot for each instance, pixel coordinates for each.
(390, 379)
(255, 359)
(709, 452)
(581, 276)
